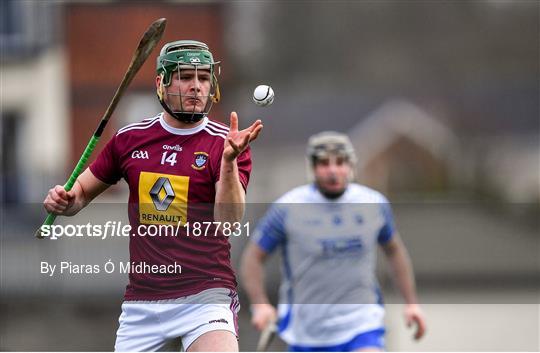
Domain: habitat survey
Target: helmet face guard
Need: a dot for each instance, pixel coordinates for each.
(186, 55)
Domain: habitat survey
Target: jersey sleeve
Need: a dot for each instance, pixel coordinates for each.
(106, 167)
(270, 231)
(388, 228)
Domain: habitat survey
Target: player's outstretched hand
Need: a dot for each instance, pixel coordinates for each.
(415, 315)
(262, 315)
(59, 201)
(237, 141)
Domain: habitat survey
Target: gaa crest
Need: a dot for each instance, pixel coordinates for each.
(200, 160)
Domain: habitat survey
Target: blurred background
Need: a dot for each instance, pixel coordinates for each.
(440, 98)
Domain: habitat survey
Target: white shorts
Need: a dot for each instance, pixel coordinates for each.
(166, 324)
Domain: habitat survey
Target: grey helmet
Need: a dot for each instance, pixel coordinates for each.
(323, 144)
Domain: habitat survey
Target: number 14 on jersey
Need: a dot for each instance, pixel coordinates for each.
(171, 158)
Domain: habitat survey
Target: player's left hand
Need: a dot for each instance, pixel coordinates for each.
(415, 315)
(237, 141)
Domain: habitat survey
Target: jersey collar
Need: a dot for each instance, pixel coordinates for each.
(177, 131)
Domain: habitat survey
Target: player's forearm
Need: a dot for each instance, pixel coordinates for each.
(230, 195)
(85, 189)
(402, 270)
(252, 275)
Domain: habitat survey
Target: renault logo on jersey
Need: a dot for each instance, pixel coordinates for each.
(162, 194)
(163, 198)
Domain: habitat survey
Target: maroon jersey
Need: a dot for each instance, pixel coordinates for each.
(171, 175)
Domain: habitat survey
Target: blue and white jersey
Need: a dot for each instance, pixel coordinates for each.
(329, 292)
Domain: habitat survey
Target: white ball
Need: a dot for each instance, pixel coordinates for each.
(263, 95)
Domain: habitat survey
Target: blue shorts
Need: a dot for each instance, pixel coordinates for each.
(371, 339)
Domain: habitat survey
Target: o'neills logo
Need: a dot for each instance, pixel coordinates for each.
(172, 148)
(219, 321)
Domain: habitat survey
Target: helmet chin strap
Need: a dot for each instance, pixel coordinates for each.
(184, 117)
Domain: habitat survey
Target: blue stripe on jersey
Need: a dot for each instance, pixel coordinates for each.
(385, 234)
(380, 299)
(284, 322)
(365, 340)
(272, 229)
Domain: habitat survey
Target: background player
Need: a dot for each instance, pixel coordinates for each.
(328, 232)
(172, 162)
